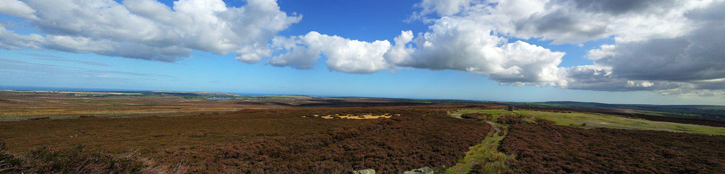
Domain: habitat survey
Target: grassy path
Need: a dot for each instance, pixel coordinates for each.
(484, 157)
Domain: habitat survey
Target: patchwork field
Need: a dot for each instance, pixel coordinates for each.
(31, 104)
(24, 105)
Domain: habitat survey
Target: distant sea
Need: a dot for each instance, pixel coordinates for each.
(250, 94)
(32, 88)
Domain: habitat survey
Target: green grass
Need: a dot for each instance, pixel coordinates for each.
(604, 121)
(486, 154)
(494, 113)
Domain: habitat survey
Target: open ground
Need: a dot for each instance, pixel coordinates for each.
(222, 133)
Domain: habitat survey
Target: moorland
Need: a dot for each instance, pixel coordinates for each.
(205, 132)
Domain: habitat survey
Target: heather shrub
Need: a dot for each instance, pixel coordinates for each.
(522, 120)
(544, 121)
(480, 116)
(8, 162)
(76, 160)
(394, 145)
(563, 149)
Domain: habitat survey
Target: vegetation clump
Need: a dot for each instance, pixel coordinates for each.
(481, 116)
(68, 160)
(8, 161)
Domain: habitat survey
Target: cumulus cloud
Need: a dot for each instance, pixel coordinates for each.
(666, 46)
(571, 21)
(17, 8)
(601, 78)
(663, 46)
(452, 43)
(297, 55)
(402, 52)
(465, 45)
(472, 35)
(11, 40)
(343, 55)
(690, 63)
(581, 21)
(147, 29)
(442, 8)
(603, 52)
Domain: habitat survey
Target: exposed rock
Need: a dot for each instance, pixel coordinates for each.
(366, 171)
(424, 170)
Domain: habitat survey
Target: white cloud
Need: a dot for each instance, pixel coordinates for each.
(460, 43)
(343, 55)
(147, 29)
(443, 8)
(667, 46)
(570, 21)
(660, 45)
(111, 48)
(604, 51)
(402, 51)
(297, 55)
(17, 8)
(687, 64)
(528, 64)
(452, 43)
(645, 83)
(12, 40)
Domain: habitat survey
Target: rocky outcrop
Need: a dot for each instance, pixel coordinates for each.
(366, 171)
(424, 170)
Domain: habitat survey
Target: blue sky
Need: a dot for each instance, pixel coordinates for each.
(581, 74)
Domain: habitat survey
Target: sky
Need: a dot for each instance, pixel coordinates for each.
(609, 51)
